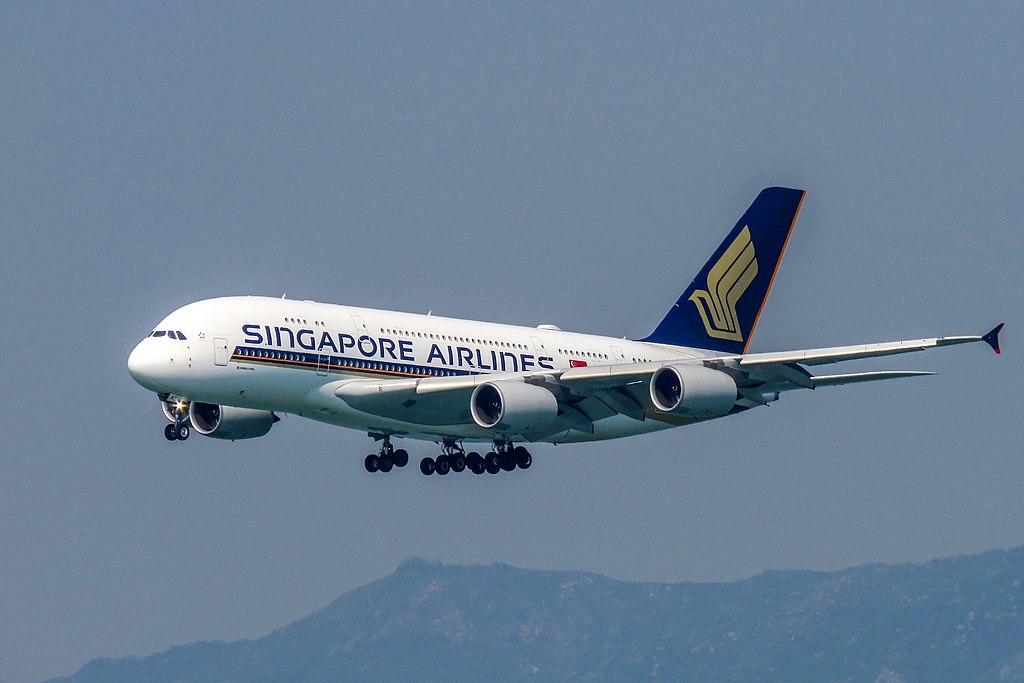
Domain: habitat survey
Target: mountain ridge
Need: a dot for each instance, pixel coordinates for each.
(958, 618)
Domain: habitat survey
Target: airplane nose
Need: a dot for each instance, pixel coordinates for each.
(136, 362)
(144, 366)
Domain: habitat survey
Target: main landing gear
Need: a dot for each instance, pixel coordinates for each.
(386, 458)
(504, 456)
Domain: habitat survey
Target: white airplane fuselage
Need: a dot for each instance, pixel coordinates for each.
(283, 355)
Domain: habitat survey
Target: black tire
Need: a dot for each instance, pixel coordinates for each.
(478, 467)
(183, 432)
(384, 463)
(401, 457)
(169, 433)
(507, 462)
(458, 462)
(491, 463)
(370, 463)
(427, 466)
(522, 457)
(441, 465)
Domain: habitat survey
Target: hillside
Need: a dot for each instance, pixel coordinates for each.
(954, 619)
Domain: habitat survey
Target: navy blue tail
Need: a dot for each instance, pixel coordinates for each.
(720, 308)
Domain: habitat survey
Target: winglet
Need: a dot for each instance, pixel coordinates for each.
(992, 338)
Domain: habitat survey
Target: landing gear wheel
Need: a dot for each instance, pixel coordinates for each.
(441, 465)
(370, 463)
(522, 457)
(169, 433)
(427, 466)
(384, 463)
(401, 457)
(491, 463)
(506, 462)
(475, 463)
(458, 462)
(183, 432)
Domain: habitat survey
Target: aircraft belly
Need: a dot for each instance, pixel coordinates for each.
(609, 428)
(242, 386)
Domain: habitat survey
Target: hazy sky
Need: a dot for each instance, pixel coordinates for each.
(566, 164)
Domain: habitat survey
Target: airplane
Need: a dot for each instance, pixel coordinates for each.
(227, 367)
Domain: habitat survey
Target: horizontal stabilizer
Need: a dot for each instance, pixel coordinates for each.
(855, 377)
(838, 354)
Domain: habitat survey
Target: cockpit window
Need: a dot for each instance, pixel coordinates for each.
(173, 334)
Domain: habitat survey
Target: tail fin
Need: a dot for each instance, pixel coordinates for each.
(720, 308)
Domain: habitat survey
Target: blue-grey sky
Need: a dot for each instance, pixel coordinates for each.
(571, 164)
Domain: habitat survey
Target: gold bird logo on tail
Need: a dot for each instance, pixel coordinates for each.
(728, 279)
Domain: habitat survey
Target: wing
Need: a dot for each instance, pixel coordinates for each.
(588, 394)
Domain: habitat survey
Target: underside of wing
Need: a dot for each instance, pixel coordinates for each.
(428, 401)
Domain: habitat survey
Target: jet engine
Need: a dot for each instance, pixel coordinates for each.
(513, 407)
(227, 422)
(693, 391)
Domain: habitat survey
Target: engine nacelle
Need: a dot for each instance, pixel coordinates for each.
(227, 422)
(513, 407)
(693, 391)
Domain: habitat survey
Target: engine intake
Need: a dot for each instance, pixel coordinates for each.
(693, 391)
(228, 422)
(513, 407)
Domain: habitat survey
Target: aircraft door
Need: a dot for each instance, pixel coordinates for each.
(617, 355)
(220, 351)
(323, 364)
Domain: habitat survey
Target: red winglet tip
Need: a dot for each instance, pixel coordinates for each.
(992, 338)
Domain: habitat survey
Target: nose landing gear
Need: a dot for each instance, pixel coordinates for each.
(182, 427)
(177, 433)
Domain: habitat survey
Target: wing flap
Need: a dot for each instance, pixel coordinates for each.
(621, 402)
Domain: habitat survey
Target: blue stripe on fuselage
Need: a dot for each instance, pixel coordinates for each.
(338, 364)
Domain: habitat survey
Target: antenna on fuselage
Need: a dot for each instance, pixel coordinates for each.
(285, 295)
